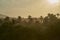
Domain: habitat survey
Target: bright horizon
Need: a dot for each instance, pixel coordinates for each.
(23, 8)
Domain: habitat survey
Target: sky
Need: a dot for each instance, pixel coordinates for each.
(23, 8)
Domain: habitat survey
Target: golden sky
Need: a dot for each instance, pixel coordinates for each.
(24, 8)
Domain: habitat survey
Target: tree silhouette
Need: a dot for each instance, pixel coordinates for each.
(24, 28)
(30, 20)
(58, 14)
(7, 18)
(13, 21)
(41, 19)
(29, 17)
(19, 19)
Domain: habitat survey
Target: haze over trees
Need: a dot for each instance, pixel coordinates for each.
(42, 28)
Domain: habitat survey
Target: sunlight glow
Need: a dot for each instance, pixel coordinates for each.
(53, 1)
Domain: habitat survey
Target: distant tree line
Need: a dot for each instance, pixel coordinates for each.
(42, 28)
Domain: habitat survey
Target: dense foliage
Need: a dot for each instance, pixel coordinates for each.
(47, 28)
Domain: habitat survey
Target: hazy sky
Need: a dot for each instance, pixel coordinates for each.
(24, 8)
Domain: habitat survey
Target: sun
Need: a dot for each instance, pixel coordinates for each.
(53, 1)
